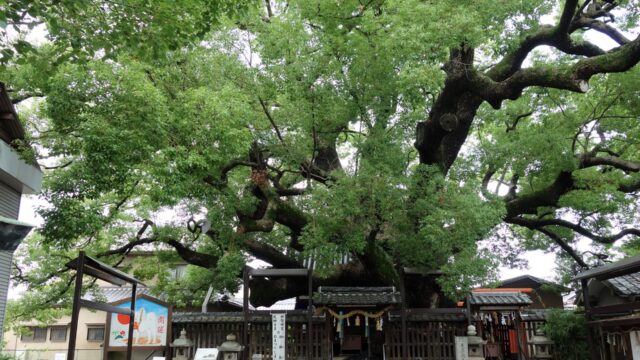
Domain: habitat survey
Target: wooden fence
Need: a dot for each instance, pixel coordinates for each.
(426, 340)
(430, 333)
(210, 330)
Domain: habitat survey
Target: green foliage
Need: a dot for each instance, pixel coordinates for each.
(466, 270)
(569, 333)
(160, 112)
(85, 29)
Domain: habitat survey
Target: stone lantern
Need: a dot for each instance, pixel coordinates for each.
(475, 344)
(230, 349)
(541, 345)
(182, 345)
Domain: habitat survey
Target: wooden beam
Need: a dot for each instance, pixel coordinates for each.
(403, 319)
(75, 311)
(245, 312)
(499, 308)
(608, 271)
(278, 272)
(104, 307)
(615, 321)
(613, 309)
(104, 276)
(132, 310)
(587, 307)
(103, 268)
(309, 315)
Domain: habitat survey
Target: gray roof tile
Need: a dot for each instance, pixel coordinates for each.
(334, 295)
(626, 285)
(442, 314)
(534, 314)
(222, 317)
(111, 294)
(229, 299)
(499, 298)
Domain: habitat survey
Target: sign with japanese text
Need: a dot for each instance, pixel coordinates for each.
(279, 335)
(150, 325)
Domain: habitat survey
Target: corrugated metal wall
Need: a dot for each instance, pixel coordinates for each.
(5, 270)
(9, 207)
(9, 201)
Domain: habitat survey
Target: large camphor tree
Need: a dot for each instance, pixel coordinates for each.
(443, 135)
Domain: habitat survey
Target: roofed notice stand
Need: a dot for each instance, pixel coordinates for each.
(84, 264)
(273, 273)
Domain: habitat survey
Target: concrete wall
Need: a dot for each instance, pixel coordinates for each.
(47, 350)
(85, 349)
(20, 175)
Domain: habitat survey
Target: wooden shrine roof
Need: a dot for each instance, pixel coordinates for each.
(336, 295)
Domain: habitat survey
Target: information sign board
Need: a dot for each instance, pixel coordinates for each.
(279, 335)
(150, 325)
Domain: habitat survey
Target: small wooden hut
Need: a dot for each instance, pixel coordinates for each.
(610, 295)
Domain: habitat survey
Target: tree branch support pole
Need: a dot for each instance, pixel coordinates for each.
(132, 319)
(519, 348)
(309, 315)
(405, 349)
(587, 316)
(469, 319)
(75, 312)
(245, 311)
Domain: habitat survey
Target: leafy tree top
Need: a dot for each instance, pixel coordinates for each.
(438, 135)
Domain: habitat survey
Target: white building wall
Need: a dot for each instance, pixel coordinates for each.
(47, 350)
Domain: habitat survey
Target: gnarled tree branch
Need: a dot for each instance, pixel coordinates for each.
(588, 160)
(603, 239)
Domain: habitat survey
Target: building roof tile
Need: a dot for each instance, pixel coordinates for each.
(217, 317)
(626, 285)
(110, 294)
(499, 298)
(334, 295)
(534, 314)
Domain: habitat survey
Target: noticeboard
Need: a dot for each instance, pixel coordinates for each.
(151, 326)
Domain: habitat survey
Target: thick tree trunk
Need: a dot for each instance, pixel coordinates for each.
(265, 292)
(440, 137)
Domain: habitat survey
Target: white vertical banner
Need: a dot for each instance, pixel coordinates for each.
(279, 336)
(635, 344)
